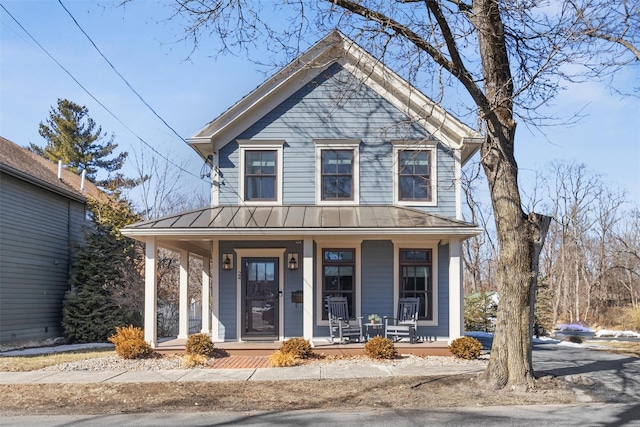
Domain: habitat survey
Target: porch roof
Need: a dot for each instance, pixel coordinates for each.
(300, 220)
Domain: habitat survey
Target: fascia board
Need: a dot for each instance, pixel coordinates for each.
(464, 232)
(280, 86)
(43, 184)
(422, 110)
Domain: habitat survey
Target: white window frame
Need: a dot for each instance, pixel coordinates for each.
(338, 243)
(260, 145)
(399, 244)
(428, 146)
(338, 144)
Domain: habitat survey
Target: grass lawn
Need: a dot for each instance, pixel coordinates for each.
(31, 363)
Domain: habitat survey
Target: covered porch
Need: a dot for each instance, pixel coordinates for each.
(289, 241)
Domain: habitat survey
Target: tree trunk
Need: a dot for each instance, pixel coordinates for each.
(520, 236)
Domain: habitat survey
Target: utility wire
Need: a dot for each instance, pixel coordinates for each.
(96, 99)
(120, 75)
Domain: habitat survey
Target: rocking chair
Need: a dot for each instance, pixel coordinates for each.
(406, 324)
(340, 326)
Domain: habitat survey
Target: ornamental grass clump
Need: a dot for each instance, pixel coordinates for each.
(281, 360)
(380, 348)
(130, 343)
(299, 347)
(199, 345)
(465, 348)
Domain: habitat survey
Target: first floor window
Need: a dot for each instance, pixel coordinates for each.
(260, 175)
(416, 280)
(338, 277)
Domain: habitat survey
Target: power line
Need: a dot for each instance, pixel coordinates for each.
(120, 75)
(96, 99)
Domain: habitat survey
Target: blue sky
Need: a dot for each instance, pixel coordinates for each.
(189, 91)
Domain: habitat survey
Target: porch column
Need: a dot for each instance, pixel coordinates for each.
(215, 292)
(183, 312)
(206, 292)
(456, 300)
(150, 293)
(307, 289)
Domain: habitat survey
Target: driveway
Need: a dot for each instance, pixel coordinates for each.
(616, 377)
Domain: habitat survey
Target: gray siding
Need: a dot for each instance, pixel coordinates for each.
(324, 110)
(377, 278)
(37, 229)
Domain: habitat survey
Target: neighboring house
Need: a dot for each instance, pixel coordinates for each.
(41, 217)
(333, 177)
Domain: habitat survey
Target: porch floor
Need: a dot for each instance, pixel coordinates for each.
(321, 346)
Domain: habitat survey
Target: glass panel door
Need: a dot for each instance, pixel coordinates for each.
(260, 295)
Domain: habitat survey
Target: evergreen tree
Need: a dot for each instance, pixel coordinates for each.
(93, 309)
(73, 137)
(480, 312)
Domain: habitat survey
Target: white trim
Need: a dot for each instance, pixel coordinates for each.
(428, 146)
(260, 145)
(206, 296)
(457, 171)
(151, 292)
(338, 144)
(412, 244)
(456, 300)
(259, 253)
(333, 47)
(215, 292)
(183, 298)
(307, 289)
(338, 243)
(216, 180)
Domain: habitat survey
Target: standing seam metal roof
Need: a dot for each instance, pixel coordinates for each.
(299, 217)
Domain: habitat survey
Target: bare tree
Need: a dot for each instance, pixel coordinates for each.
(509, 58)
(617, 25)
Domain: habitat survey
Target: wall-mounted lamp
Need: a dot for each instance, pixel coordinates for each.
(227, 261)
(293, 262)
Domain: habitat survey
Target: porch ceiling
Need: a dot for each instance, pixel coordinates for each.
(300, 220)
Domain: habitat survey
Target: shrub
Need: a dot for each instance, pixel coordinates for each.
(299, 347)
(199, 345)
(280, 359)
(192, 360)
(465, 348)
(130, 343)
(380, 348)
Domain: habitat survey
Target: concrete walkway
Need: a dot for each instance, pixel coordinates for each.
(304, 372)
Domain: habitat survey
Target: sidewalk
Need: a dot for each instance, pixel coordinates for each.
(304, 372)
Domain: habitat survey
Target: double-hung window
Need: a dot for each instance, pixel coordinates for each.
(337, 171)
(260, 175)
(337, 175)
(415, 174)
(416, 279)
(260, 178)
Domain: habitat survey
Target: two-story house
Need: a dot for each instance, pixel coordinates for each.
(335, 177)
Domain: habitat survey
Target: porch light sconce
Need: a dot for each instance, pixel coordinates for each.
(227, 261)
(293, 262)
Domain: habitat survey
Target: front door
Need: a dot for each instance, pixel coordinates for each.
(260, 298)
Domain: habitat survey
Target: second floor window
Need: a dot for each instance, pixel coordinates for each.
(337, 175)
(414, 175)
(260, 175)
